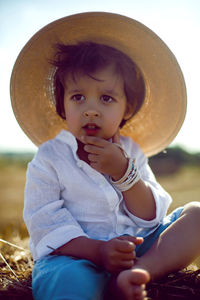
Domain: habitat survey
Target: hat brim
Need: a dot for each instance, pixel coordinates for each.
(161, 116)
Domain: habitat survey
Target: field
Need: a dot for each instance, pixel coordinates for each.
(183, 185)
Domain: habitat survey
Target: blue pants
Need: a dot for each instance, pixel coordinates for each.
(67, 278)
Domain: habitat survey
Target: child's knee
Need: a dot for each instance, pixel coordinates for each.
(192, 209)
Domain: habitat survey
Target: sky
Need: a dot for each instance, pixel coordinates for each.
(176, 22)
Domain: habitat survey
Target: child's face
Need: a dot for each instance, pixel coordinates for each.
(95, 106)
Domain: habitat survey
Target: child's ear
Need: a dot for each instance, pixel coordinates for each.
(129, 111)
(63, 115)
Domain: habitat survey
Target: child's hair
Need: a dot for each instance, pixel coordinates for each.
(89, 57)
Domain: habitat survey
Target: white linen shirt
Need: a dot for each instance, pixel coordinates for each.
(66, 198)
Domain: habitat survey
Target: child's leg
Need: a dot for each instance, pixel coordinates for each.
(177, 246)
(61, 278)
(175, 249)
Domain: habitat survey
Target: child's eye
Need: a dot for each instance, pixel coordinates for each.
(106, 98)
(78, 97)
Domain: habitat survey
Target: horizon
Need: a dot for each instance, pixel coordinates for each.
(13, 151)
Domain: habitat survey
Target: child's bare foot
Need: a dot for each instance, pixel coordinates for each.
(131, 284)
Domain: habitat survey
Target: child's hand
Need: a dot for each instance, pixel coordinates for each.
(105, 157)
(118, 254)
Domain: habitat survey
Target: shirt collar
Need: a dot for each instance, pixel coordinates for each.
(69, 139)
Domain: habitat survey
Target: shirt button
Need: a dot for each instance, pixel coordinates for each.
(119, 229)
(79, 164)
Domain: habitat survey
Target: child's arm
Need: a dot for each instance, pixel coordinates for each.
(108, 159)
(50, 224)
(114, 255)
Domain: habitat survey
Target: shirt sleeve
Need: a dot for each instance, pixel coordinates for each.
(161, 197)
(49, 223)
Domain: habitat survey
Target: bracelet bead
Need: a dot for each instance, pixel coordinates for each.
(131, 176)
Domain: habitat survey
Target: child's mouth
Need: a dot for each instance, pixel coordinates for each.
(91, 129)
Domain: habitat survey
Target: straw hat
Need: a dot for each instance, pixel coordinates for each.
(163, 112)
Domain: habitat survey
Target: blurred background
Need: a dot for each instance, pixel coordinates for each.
(177, 22)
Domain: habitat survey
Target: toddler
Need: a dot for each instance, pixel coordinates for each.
(95, 213)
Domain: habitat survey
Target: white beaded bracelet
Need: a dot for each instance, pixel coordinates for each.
(130, 177)
(126, 185)
(127, 173)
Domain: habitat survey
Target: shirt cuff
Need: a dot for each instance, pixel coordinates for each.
(56, 239)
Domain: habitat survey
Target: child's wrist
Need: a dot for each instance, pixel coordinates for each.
(123, 164)
(130, 177)
(101, 254)
(123, 168)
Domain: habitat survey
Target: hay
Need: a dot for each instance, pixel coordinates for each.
(16, 268)
(15, 271)
(181, 285)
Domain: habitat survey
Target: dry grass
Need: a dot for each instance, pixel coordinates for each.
(12, 182)
(16, 270)
(181, 285)
(183, 186)
(15, 276)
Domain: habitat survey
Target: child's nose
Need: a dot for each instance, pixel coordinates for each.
(91, 113)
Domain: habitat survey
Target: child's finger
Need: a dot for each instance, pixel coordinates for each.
(93, 158)
(125, 246)
(93, 140)
(127, 256)
(133, 239)
(116, 137)
(127, 264)
(93, 149)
